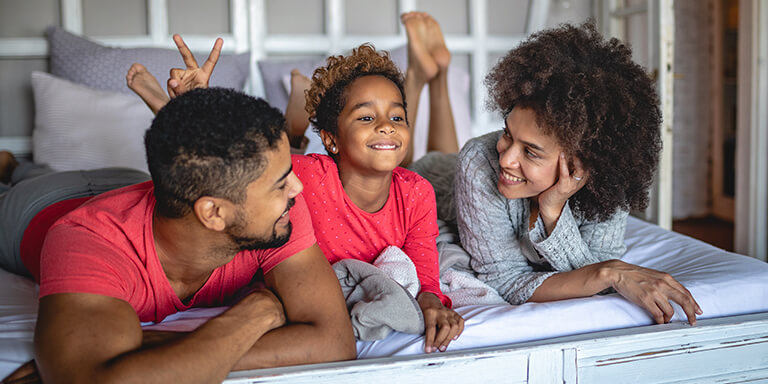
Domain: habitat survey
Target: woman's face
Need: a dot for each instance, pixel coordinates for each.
(528, 158)
(372, 133)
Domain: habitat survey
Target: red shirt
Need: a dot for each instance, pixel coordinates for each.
(106, 247)
(408, 219)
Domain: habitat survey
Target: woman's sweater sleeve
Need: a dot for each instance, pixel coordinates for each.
(573, 245)
(485, 226)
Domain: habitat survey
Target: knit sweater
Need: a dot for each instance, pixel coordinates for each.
(505, 254)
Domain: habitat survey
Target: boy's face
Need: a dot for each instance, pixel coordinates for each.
(528, 159)
(373, 135)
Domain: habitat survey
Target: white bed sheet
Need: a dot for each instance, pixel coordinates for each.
(723, 283)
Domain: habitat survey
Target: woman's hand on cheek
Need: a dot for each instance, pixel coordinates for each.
(552, 201)
(441, 325)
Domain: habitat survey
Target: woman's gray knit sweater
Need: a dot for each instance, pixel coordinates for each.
(505, 254)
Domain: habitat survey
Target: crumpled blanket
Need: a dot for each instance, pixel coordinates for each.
(457, 280)
(380, 297)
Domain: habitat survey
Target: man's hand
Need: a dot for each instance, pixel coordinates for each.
(552, 201)
(651, 290)
(441, 325)
(182, 80)
(26, 374)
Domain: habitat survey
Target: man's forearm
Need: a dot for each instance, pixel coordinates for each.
(300, 343)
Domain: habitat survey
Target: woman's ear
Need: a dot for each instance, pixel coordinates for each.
(212, 212)
(329, 141)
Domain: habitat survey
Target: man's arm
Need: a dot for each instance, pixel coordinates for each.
(318, 326)
(97, 339)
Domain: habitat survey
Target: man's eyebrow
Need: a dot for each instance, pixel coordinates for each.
(288, 172)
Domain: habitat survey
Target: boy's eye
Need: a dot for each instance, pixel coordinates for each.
(397, 118)
(365, 118)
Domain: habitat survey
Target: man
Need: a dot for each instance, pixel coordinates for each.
(223, 205)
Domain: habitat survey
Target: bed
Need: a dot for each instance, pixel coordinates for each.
(84, 119)
(594, 339)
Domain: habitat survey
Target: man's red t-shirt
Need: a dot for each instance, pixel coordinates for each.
(106, 247)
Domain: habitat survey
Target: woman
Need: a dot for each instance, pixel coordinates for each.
(541, 206)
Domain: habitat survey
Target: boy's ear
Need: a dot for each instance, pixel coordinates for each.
(213, 213)
(329, 142)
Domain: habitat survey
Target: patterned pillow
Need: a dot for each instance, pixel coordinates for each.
(85, 62)
(78, 127)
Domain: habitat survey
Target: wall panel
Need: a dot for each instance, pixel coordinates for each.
(199, 17)
(27, 18)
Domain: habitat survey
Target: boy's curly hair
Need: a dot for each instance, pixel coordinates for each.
(600, 106)
(326, 97)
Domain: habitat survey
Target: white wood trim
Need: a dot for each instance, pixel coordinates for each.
(157, 22)
(238, 16)
(257, 16)
(478, 30)
(758, 150)
(665, 9)
(752, 123)
(21, 146)
(722, 349)
(24, 47)
(72, 16)
(335, 25)
(537, 16)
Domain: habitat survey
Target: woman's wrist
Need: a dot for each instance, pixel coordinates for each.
(608, 273)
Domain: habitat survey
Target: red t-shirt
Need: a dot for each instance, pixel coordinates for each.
(106, 247)
(408, 219)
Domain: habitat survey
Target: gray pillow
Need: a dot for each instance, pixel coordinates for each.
(83, 61)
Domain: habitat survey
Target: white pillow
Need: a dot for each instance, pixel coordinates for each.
(77, 127)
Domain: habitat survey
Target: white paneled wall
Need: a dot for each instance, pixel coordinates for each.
(477, 32)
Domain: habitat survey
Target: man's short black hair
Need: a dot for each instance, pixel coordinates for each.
(209, 142)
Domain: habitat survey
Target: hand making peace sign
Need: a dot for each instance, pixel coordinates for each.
(193, 76)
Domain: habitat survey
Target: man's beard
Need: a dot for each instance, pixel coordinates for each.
(246, 243)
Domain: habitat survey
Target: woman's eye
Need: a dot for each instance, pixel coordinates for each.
(531, 154)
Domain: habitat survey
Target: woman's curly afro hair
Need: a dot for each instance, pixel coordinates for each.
(600, 106)
(326, 97)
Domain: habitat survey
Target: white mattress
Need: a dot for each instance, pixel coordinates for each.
(723, 283)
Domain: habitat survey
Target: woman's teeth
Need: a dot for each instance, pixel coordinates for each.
(509, 177)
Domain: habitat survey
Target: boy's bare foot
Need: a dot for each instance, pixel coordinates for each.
(8, 163)
(296, 117)
(147, 87)
(427, 52)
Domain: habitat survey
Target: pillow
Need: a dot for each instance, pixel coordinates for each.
(77, 127)
(83, 61)
(276, 77)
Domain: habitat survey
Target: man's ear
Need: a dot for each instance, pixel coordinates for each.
(213, 213)
(329, 142)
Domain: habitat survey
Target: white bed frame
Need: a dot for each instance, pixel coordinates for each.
(728, 349)
(731, 349)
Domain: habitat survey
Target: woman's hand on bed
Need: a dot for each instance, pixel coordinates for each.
(441, 325)
(652, 290)
(194, 76)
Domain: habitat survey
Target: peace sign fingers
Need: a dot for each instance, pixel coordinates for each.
(186, 54)
(213, 57)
